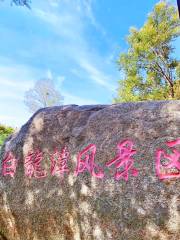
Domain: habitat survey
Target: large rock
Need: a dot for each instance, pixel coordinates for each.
(140, 202)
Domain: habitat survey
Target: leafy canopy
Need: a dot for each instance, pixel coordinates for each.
(149, 69)
(5, 132)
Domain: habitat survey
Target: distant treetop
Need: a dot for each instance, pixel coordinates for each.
(26, 3)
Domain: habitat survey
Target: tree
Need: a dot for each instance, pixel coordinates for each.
(25, 3)
(22, 2)
(4, 133)
(42, 95)
(149, 68)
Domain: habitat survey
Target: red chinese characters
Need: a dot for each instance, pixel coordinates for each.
(167, 162)
(124, 161)
(85, 161)
(9, 164)
(32, 165)
(59, 161)
(171, 168)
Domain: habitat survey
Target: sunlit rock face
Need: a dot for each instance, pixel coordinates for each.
(131, 190)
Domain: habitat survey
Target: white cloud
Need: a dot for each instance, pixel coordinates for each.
(66, 24)
(68, 20)
(47, 16)
(54, 3)
(6, 118)
(60, 80)
(14, 83)
(17, 78)
(14, 121)
(97, 75)
(69, 23)
(72, 99)
(89, 13)
(9, 94)
(49, 74)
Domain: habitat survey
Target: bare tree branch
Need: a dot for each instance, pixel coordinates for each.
(42, 95)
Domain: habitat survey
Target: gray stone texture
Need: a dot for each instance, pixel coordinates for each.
(84, 207)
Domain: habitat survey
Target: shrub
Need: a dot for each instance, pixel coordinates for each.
(5, 131)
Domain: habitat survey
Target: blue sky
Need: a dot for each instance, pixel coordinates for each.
(76, 42)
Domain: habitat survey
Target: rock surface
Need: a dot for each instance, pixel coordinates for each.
(137, 206)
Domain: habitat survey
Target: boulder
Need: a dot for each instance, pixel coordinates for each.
(96, 172)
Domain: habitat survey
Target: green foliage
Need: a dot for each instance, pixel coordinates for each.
(149, 70)
(4, 133)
